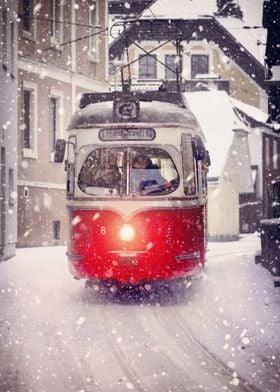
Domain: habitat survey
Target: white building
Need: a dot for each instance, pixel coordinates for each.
(234, 139)
(8, 127)
(63, 54)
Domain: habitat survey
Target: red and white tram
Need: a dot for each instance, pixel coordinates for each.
(136, 188)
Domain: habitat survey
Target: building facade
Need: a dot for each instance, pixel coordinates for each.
(271, 168)
(8, 127)
(271, 136)
(271, 21)
(209, 56)
(62, 54)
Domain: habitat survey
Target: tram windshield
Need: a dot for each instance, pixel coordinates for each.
(127, 171)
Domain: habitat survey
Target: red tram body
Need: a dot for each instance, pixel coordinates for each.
(128, 223)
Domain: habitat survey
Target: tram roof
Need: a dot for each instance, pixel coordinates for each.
(153, 112)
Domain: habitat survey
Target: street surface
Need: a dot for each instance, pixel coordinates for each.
(221, 335)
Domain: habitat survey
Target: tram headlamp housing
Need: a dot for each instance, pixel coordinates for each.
(127, 232)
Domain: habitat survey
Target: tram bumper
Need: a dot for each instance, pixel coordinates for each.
(135, 267)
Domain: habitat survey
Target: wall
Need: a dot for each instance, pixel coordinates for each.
(8, 129)
(65, 72)
(223, 211)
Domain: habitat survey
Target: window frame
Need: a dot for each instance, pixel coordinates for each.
(56, 228)
(186, 144)
(32, 31)
(93, 46)
(196, 55)
(175, 64)
(32, 151)
(4, 36)
(147, 65)
(56, 28)
(58, 96)
(13, 48)
(267, 151)
(275, 154)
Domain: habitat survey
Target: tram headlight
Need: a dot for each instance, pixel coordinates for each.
(127, 232)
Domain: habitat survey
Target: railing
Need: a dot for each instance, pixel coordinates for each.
(199, 84)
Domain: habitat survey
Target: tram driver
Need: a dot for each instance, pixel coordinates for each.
(146, 176)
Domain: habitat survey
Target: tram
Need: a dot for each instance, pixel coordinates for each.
(136, 188)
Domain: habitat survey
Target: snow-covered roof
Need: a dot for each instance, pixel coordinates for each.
(217, 125)
(150, 112)
(251, 111)
(252, 39)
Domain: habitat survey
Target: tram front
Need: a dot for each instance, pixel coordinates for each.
(136, 192)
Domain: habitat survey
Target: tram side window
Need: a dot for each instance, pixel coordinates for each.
(189, 168)
(70, 167)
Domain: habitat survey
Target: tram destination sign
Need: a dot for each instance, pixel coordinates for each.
(127, 134)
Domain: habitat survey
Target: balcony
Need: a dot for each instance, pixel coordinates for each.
(198, 84)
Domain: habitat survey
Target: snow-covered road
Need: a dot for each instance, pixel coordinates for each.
(222, 335)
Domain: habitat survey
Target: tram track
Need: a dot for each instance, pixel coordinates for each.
(156, 371)
(176, 320)
(187, 363)
(133, 379)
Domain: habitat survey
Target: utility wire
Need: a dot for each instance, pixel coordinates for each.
(56, 21)
(148, 53)
(39, 51)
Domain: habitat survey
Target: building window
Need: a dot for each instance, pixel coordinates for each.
(12, 193)
(92, 32)
(27, 13)
(29, 117)
(147, 67)
(56, 230)
(275, 154)
(3, 188)
(171, 61)
(255, 176)
(56, 119)
(266, 152)
(53, 122)
(13, 48)
(199, 65)
(56, 20)
(4, 37)
(25, 192)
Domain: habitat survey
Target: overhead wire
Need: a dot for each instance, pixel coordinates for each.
(56, 21)
(39, 51)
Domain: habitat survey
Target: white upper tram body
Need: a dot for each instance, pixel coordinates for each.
(109, 135)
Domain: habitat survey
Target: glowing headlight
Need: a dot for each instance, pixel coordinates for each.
(127, 233)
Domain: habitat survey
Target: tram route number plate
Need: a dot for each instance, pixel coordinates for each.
(107, 134)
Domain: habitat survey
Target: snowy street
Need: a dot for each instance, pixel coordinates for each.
(221, 335)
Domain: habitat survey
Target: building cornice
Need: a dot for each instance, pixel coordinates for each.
(48, 71)
(38, 184)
